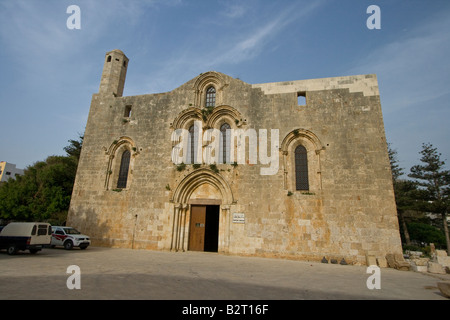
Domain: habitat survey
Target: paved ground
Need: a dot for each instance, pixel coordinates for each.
(108, 273)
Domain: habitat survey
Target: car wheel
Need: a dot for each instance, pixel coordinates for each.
(83, 247)
(68, 245)
(12, 249)
(33, 251)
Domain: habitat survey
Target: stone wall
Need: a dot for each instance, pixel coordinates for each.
(349, 209)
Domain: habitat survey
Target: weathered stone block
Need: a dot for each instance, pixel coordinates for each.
(443, 260)
(421, 261)
(417, 268)
(441, 253)
(396, 261)
(382, 263)
(371, 260)
(434, 267)
(444, 287)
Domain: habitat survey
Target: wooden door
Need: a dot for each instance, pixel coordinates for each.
(197, 228)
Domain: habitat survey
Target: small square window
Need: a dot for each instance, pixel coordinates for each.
(127, 113)
(301, 98)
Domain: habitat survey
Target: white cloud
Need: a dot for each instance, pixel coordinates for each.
(251, 43)
(232, 47)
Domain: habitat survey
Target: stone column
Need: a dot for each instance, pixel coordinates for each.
(176, 213)
(184, 212)
(285, 169)
(320, 168)
(224, 236)
(109, 171)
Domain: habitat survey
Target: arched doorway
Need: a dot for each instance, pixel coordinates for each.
(204, 228)
(201, 218)
(205, 201)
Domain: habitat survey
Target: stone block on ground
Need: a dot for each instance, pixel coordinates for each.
(434, 267)
(444, 261)
(371, 260)
(382, 263)
(418, 268)
(390, 260)
(444, 287)
(397, 261)
(441, 253)
(421, 261)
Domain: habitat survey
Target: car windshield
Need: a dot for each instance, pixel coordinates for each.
(71, 231)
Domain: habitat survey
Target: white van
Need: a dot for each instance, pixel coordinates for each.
(25, 236)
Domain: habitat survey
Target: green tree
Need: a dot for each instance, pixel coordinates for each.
(426, 233)
(434, 182)
(43, 192)
(404, 191)
(74, 148)
(396, 170)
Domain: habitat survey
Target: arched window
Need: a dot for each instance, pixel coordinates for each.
(301, 169)
(210, 97)
(123, 172)
(191, 155)
(224, 151)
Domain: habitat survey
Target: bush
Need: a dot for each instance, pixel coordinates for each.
(213, 167)
(426, 250)
(181, 166)
(426, 233)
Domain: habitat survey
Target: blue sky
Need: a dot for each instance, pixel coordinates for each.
(48, 73)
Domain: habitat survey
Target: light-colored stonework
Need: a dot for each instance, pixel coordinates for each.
(347, 212)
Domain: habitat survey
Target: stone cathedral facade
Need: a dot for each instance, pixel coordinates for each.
(295, 169)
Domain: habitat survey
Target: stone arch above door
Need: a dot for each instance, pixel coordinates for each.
(204, 187)
(191, 182)
(206, 194)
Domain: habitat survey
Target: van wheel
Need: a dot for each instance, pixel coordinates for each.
(68, 245)
(33, 251)
(12, 249)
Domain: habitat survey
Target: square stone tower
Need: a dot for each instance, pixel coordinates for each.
(114, 73)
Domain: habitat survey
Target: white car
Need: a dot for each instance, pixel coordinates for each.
(69, 237)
